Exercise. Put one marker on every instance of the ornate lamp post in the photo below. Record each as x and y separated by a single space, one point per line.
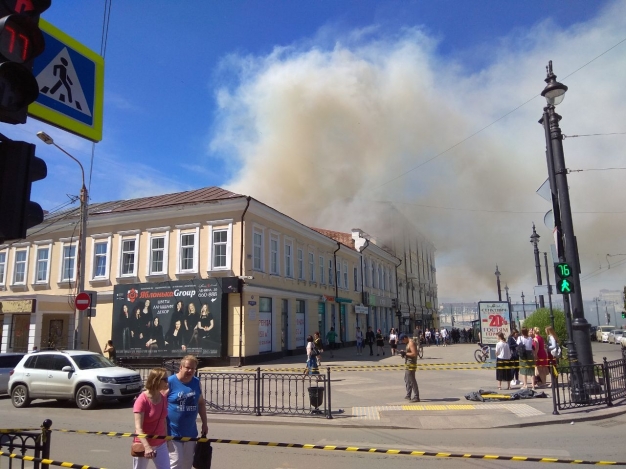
523 305
534 239
497 272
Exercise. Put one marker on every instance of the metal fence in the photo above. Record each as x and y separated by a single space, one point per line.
261 393
255 392
576 386
20 442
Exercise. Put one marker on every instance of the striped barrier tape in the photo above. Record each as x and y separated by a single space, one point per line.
50 462
355 449
429 367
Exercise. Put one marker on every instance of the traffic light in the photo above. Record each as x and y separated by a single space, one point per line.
623 315
564 284
19 168
394 303
21 41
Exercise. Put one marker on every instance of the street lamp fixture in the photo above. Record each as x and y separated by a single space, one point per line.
567 249
82 240
497 273
534 239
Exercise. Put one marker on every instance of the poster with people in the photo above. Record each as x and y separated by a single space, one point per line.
168 319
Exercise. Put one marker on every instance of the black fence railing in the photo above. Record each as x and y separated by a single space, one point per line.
576 386
261 393
26 443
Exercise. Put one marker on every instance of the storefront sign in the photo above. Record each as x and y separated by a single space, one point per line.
327 298
265 332
17 306
169 319
379 301
342 300
358 309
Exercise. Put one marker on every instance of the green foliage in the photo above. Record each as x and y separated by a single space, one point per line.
541 319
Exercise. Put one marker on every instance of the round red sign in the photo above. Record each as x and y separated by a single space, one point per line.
83 300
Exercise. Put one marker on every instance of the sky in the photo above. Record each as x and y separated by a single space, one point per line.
322 108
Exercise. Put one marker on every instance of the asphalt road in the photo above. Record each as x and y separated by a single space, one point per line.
598 440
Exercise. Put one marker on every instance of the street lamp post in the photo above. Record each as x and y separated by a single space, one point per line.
554 93
523 305
497 272
534 239
82 240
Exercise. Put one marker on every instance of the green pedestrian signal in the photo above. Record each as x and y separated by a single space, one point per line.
623 315
565 286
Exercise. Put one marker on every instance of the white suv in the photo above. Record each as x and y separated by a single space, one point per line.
85 377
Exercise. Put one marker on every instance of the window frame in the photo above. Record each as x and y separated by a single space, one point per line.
331 272
20 249
322 267
40 246
220 225
98 239
300 263
184 230
258 230
274 254
68 243
288 257
162 232
4 253
344 271
311 266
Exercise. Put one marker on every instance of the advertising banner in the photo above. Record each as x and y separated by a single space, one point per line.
495 317
168 319
265 332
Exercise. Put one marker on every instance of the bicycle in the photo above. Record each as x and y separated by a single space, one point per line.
482 354
420 347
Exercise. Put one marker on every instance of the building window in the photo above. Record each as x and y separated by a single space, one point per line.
356 279
345 276
367 274
274 255
381 285
331 280
187 251
312 267
68 270
322 267
372 274
100 251
157 255
220 240
338 276
257 250
289 259
19 270
128 256
43 264
300 264
3 264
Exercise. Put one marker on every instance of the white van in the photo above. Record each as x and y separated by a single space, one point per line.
602 333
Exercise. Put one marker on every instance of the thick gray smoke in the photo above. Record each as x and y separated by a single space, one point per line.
320 133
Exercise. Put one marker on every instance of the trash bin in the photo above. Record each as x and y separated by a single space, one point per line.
316 396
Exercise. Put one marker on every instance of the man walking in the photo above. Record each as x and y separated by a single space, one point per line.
331 336
185 400
410 360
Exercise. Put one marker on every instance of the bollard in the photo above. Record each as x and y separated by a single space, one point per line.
329 401
257 392
46 434
555 388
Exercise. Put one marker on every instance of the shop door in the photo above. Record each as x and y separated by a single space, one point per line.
342 323
321 318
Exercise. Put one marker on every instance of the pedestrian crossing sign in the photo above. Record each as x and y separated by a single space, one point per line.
71 85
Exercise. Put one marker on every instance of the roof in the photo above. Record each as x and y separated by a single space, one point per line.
198 196
343 238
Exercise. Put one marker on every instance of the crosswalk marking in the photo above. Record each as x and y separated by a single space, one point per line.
373 412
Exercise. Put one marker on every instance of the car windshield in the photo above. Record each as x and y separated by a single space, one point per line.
87 362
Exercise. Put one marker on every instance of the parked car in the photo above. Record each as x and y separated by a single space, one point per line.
602 333
85 377
7 363
615 336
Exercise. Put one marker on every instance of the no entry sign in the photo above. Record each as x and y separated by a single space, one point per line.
83 300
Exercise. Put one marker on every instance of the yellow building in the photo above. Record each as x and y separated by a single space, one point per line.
278 280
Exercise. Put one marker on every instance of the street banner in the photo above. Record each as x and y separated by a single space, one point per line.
495 317
169 319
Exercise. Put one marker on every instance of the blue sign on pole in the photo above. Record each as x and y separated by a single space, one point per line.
71 81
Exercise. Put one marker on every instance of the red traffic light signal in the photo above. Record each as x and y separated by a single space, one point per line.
19 168
21 41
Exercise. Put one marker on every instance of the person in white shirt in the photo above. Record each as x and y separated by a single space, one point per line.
444 336
503 362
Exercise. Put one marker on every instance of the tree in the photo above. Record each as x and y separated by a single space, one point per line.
541 319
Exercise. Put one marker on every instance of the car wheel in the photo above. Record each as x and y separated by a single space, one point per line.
86 397
19 396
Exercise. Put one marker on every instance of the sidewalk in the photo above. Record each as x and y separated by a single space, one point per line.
375 398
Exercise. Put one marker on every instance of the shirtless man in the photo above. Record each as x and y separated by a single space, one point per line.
410 357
